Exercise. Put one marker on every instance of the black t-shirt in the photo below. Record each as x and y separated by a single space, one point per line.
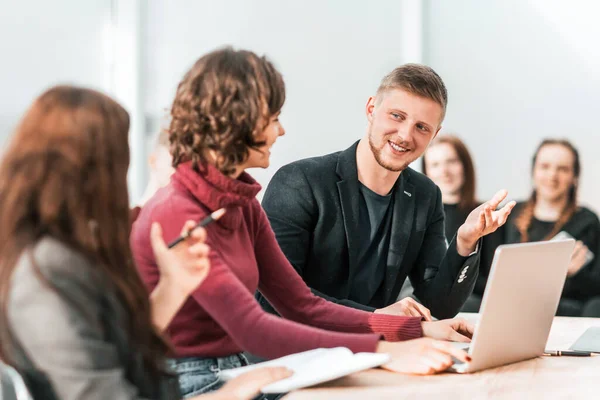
375 221
539 230
454 218
583 225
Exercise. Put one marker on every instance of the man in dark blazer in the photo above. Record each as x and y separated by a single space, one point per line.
356 223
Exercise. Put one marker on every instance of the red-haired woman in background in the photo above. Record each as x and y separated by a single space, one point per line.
553 208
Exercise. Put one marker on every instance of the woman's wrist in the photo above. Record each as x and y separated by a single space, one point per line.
166 300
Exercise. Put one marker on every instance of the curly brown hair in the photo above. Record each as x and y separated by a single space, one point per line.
222 104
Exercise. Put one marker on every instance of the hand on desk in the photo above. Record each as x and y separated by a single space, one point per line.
247 386
407 307
423 356
482 221
454 330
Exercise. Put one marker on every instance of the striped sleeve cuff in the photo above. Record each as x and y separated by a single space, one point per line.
394 328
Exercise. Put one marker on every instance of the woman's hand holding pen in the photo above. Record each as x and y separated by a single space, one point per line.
185 266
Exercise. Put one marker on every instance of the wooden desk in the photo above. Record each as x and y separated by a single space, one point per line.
540 378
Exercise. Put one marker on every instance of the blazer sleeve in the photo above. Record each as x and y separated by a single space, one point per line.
489 245
292 212
443 280
63 338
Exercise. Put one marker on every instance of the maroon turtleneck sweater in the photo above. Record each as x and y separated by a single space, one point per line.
222 317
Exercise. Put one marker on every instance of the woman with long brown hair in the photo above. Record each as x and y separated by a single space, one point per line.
448 163
75 318
552 208
225 119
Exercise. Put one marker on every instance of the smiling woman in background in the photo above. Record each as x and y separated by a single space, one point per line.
448 163
553 208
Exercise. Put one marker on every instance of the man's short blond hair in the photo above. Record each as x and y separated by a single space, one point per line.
417 79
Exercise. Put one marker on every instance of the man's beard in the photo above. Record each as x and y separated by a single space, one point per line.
377 154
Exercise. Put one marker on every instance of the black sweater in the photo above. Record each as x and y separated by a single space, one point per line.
583 225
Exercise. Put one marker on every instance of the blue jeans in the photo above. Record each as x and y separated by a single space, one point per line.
201 375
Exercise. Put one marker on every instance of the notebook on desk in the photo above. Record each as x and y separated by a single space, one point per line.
588 341
313 367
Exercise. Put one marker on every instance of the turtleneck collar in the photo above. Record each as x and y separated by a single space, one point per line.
215 190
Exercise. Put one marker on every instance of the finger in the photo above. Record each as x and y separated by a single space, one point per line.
577 249
481 221
423 368
447 348
414 311
198 234
489 219
579 259
156 239
434 364
465 327
199 250
424 311
409 311
455 336
498 198
201 264
505 212
187 226
442 359
272 374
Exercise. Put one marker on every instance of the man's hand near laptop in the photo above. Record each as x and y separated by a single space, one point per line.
407 307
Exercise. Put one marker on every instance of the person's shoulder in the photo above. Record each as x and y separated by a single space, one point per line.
171 207
166 200
57 263
308 168
585 214
421 181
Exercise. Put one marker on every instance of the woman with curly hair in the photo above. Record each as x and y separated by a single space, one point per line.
75 318
225 120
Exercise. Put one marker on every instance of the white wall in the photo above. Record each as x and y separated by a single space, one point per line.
518 71
332 55
48 42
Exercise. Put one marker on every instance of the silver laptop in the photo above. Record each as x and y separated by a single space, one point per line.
519 303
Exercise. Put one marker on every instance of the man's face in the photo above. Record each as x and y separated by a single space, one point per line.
401 126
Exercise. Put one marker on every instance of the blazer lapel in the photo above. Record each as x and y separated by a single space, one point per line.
348 190
402 222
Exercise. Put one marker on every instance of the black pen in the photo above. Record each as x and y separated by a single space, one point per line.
569 353
212 217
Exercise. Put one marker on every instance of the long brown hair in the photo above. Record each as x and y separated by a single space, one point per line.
523 221
467 202
222 104
64 176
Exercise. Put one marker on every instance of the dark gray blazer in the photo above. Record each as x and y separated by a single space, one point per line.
312 205
71 336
